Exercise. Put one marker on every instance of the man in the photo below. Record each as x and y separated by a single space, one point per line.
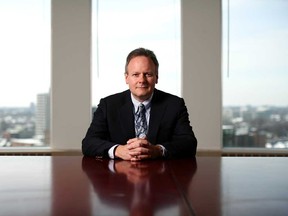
160 129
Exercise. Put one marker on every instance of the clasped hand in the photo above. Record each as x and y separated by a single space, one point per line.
137 149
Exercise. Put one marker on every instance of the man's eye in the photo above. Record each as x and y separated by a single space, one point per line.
149 74
135 75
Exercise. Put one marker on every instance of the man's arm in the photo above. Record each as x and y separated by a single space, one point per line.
96 141
183 142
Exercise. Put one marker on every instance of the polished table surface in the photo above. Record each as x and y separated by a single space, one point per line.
75 185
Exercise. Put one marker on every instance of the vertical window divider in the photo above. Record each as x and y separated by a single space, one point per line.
228 38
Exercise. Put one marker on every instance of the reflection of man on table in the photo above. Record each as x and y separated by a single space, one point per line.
142 122
137 187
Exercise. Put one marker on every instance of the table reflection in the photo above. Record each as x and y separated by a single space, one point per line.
139 188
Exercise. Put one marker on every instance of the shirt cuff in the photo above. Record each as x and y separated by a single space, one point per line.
163 149
111 152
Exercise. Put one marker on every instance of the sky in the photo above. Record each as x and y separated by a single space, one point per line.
24 51
258 53
25 40
258 48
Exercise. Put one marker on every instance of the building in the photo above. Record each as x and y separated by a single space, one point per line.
43 118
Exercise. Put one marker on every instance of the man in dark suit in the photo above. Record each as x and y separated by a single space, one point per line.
161 129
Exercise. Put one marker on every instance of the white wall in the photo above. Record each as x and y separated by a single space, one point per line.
201 69
71 44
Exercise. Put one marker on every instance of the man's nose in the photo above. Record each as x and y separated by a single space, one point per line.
142 77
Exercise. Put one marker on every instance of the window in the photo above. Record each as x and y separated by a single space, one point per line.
25 73
118 27
255 73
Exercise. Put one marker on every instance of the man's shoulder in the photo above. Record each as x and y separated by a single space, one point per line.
162 95
170 102
118 95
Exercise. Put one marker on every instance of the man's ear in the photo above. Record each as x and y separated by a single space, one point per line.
126 77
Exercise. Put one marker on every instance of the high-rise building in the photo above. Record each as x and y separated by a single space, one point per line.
43 118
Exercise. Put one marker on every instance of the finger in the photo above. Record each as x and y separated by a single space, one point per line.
134 153
138 144
140 153
136 158
133 146
132 140
140 157
136 139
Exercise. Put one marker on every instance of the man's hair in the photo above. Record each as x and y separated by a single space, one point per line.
142 52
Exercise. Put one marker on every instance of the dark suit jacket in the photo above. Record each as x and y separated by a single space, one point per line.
113 123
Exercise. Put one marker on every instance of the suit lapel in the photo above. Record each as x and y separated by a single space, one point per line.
127 118
156 114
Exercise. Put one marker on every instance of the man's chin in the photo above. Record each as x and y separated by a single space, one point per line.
142 97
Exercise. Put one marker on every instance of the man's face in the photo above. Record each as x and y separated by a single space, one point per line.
141 77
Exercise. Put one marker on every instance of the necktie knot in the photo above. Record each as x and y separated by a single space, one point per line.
141 108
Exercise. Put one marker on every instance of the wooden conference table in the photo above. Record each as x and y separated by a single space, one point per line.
75 185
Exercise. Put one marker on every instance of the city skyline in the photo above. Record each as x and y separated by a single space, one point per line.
264 127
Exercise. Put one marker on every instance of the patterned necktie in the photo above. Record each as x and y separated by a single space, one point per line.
140 121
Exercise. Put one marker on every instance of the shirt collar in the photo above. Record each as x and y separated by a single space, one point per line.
146 103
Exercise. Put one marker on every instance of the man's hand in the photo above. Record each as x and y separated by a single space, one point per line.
137 149
134 171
